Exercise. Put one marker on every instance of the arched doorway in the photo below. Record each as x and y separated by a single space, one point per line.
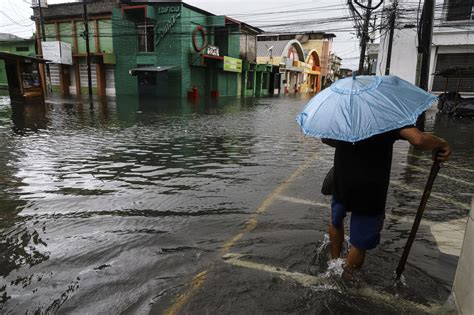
313 72
293 78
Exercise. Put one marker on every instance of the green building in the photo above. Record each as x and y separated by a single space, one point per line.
16 45
173 49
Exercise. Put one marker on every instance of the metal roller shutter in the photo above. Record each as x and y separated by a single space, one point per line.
446 61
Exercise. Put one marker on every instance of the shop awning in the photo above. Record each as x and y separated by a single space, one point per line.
9 56
150 69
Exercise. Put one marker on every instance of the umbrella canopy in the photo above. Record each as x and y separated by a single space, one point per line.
357 108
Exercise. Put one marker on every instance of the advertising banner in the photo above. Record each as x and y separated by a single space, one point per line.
57 52
66 53
232 64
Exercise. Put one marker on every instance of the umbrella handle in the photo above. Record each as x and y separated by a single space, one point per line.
416 224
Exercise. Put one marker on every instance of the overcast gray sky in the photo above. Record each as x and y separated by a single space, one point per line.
315 15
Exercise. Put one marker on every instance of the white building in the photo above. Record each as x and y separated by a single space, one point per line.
453 42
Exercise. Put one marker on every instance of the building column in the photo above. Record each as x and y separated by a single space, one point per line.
64 79
100 74
77 74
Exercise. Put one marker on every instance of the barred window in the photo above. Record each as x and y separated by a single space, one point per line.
146 38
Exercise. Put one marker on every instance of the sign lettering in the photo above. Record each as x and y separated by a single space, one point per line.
212 50
232 64
165 10
162 28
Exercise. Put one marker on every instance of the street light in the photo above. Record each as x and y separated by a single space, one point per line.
270 49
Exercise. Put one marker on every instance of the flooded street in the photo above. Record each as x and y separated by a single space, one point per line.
131 206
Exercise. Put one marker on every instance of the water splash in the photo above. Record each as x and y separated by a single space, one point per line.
323 253
335 268
400 283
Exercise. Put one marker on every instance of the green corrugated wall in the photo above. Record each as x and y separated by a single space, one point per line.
125 47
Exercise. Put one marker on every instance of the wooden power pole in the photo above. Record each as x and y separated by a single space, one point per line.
365 36
88 52
393 17
43 39
424 49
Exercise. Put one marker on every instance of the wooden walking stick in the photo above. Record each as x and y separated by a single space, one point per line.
416 224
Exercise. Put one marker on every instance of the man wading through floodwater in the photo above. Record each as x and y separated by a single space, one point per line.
362 117
361 179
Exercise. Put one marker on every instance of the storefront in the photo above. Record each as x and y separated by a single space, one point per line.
64 34
180 50
24 78
256 79
288 60
312 76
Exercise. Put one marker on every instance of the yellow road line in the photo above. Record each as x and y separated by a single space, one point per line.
181 301
249 226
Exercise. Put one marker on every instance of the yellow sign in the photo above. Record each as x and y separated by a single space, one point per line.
232 64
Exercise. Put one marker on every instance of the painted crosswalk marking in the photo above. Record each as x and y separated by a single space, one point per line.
328 283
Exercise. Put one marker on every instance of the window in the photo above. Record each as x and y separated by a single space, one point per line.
459 10
146 38
30 76
22 49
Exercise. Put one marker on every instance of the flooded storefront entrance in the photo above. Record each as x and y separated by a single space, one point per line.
205 207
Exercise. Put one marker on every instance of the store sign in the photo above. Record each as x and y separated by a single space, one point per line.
57 52
212 50
232 64
165 10
282 68
163 27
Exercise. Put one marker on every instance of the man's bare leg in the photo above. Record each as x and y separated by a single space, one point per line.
336 236
356 258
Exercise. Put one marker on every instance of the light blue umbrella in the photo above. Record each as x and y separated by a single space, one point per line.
357 108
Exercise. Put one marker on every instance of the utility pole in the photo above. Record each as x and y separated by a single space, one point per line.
393 17
365 36
364 33
88 52
426 40
43 39
424 52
